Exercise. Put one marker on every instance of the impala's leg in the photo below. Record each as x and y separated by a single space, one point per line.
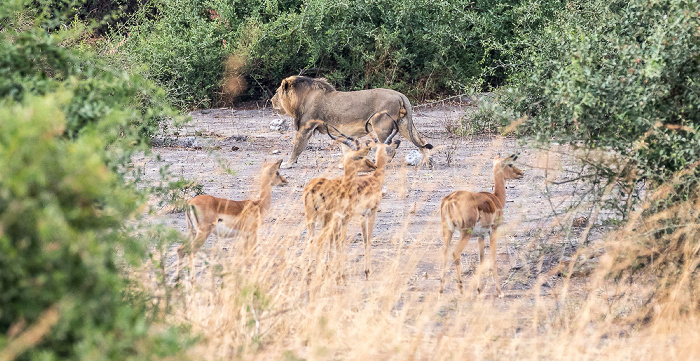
329 235
465 234
315 241
311 214
340 242
481 263
251 239
191 247
325 237
492 246
253 236
340 254
311 226
367 228
315 259
300 142
446 239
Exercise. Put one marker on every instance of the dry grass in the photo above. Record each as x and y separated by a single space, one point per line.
269 307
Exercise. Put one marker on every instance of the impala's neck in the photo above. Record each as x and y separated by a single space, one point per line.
500 186
382 160
265 197
349 172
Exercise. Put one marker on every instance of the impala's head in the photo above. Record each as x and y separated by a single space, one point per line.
387 150
356 161
271 173
356 158
505 166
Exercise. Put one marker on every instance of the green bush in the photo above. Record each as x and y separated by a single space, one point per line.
625 83
423 48
61 223
68 126
619 80
34 61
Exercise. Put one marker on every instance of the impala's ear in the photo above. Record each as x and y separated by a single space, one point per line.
278 162
514 157
498 160
362 152
370 164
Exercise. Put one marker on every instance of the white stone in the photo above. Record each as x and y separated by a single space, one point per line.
279 125
191 142
414 157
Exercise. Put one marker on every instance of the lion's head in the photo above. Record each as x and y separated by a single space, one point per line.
293 90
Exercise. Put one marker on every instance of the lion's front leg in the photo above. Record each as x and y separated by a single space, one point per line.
300 142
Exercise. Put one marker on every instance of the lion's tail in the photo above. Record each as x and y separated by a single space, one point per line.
411 127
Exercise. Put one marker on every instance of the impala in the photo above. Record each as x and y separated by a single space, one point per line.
228 218
476 214
369 193
328 202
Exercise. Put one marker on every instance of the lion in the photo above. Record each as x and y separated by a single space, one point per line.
352 113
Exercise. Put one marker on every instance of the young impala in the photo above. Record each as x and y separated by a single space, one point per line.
476 214
228 218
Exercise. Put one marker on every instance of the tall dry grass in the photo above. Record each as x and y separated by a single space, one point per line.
269 306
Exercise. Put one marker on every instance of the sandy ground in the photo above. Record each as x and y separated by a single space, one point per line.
223 150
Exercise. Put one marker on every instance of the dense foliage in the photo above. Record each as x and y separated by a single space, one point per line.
623 81
424 48
620 80
62 213
68 125
34 61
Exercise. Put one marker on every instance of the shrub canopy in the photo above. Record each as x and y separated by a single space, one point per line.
68 126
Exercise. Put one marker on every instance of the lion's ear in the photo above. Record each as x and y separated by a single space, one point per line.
286 84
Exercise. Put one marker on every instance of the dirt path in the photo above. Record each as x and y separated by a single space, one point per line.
231 144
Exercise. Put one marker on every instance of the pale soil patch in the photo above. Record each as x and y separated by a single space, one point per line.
231 145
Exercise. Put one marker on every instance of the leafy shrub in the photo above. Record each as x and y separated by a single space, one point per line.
68 125
627 85
34 61
622 85
61 217
424 48
480 122
102 14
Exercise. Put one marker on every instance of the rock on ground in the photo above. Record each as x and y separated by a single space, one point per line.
413 158
279 125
